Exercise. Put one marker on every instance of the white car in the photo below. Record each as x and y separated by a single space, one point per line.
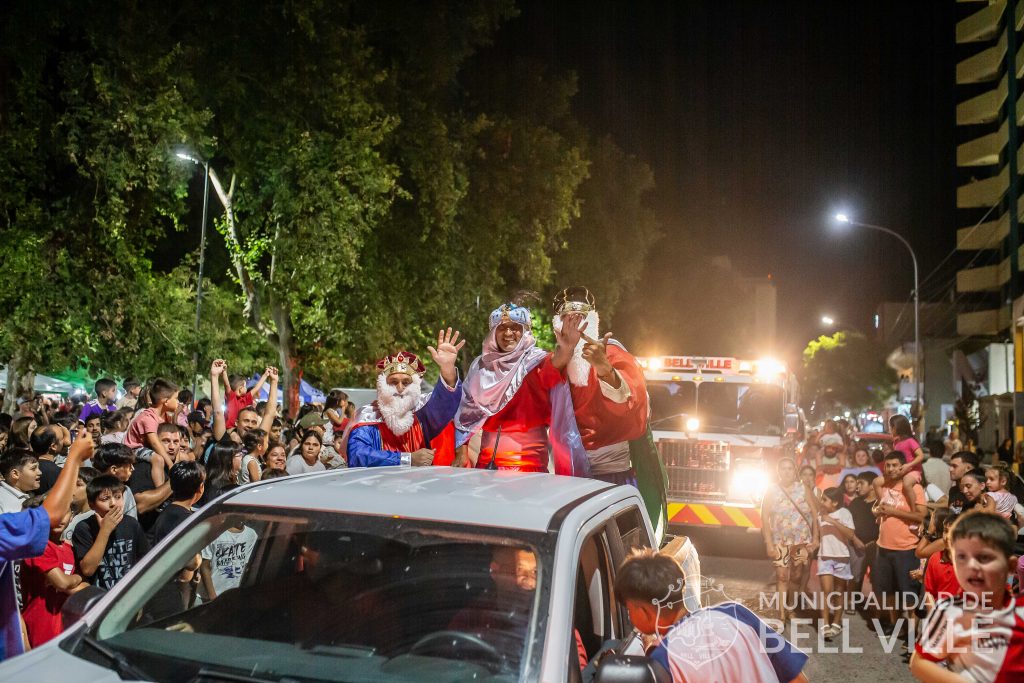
382 574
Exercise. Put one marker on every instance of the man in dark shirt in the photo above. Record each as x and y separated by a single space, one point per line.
188 482
865 527
47 443
187 479
959 464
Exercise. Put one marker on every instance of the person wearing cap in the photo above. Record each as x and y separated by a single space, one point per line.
608 390
515 396
404 426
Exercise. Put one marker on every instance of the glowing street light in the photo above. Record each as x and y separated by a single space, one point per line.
918 384
828 320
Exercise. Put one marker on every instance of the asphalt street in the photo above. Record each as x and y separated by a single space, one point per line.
734 568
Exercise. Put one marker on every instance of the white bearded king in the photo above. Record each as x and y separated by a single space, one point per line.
397 408
403 421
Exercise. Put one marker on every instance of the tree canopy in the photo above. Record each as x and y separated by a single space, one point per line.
374 176
845 370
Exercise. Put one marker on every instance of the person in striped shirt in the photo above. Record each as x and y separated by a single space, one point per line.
979 634
726 642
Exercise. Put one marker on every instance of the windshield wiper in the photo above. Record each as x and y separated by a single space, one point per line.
207 674
121 664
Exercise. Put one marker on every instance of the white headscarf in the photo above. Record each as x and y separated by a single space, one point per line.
494 378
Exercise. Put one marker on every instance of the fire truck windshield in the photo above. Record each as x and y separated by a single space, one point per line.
727 407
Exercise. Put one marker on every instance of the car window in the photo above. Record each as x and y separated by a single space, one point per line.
632 531
330 597
592 607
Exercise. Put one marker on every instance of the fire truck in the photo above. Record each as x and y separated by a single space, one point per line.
720 426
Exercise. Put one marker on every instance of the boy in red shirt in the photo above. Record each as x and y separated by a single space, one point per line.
978 635
46 582
238 397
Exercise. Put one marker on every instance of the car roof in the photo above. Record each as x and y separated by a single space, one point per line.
513 500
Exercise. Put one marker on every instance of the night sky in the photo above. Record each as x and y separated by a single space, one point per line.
760 120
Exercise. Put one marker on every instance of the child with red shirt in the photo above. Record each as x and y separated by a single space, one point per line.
939 578
46 582
238 397
978 635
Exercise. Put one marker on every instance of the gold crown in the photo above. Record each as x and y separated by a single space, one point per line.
404 363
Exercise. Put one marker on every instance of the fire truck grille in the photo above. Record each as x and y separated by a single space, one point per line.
696 468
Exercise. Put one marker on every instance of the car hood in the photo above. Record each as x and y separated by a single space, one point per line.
50 663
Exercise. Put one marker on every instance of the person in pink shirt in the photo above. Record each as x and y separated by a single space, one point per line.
163 399
908 447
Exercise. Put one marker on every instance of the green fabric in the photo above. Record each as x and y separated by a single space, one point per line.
652 480
78 377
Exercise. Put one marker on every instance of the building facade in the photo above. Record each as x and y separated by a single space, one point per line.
990 159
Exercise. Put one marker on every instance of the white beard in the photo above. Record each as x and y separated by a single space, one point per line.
578 368
398 412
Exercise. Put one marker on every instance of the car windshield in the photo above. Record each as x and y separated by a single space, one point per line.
325 596
728 407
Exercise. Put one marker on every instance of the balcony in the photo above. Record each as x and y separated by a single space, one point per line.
983 66
983 278
983 193
981 25
982 323
985 107
983 151
984 236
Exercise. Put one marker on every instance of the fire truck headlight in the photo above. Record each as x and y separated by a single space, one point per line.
692 424
748 483
769 367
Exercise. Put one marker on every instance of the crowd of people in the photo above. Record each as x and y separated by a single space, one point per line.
152 453
883 528
89 487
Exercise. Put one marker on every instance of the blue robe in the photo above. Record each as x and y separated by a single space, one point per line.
436 410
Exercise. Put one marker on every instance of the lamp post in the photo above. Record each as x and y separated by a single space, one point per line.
828 321
918 383
202 258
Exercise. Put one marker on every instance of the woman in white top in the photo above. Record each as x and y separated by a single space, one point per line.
307 459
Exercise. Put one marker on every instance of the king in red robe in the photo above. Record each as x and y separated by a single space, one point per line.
609 394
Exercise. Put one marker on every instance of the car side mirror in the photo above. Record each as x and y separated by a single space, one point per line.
617 668
78 604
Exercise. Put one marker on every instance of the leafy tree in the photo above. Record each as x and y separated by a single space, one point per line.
87 124
845 370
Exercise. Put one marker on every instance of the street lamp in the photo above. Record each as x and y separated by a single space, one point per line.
828 321
202 257
918 383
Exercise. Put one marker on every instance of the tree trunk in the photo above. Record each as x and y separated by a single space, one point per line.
255 293
20 382
286 354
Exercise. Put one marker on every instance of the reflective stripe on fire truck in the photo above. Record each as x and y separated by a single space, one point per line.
714 515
